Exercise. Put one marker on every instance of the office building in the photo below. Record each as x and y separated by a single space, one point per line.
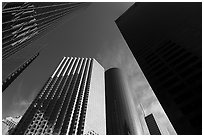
9 123
81 98
23 23
71 102
166 41
11 77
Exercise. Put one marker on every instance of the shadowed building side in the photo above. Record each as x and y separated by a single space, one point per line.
166 40
118 115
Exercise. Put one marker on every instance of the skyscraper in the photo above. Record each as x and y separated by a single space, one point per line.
25 22
166 41
80 97
71 102
118 112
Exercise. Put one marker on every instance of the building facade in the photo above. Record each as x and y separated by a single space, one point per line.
81 98
71 102
166 41
23 23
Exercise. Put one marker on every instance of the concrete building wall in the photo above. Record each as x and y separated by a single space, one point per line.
95 122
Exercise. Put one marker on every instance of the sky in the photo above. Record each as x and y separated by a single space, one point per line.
89 32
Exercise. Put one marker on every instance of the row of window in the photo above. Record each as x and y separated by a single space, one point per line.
179 72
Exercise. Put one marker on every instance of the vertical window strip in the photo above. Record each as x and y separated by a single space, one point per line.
63 109
71 125
26 119
42 103
85 101
81 102
76 64
50 108
58 67
53 99
49 100
55 78
74 121
74 88
69 101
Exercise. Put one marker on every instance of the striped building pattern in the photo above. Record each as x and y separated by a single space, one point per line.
23 22
71 102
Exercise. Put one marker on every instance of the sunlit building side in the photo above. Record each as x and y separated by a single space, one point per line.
71 102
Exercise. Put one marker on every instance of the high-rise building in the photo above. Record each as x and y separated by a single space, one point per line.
81 98
11 77
25 22
119 119
166 41
71 102
9 123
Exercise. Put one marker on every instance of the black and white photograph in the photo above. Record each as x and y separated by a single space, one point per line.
101 68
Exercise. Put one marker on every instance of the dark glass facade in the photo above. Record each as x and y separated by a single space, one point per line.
166 41
119 120
60 107
17 72
23 22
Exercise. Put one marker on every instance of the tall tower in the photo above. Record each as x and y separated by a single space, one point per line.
166 41
119 119
71 102
25 22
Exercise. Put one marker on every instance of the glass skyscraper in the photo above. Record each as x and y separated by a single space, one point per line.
25 22
22 22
